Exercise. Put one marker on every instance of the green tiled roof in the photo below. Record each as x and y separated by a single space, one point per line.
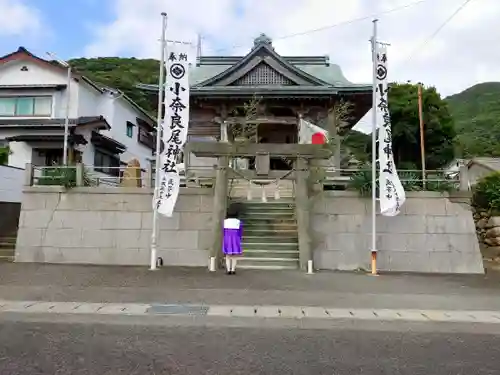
330 73
317 67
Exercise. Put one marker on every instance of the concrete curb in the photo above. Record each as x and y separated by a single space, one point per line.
262 312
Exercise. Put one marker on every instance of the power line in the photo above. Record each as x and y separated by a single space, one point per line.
354 20
437 31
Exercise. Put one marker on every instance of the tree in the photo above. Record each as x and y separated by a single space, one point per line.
476 112
123 74
4 155
439 132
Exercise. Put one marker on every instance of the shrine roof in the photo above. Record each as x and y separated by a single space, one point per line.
263 69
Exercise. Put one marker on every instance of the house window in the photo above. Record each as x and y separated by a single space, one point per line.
146 138
106 163
130 129
53 157
26 106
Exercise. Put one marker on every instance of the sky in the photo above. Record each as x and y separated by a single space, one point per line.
463 53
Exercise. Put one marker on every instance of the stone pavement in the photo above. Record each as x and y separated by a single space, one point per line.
239 311
196 286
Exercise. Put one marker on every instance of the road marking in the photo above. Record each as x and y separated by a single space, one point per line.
261 312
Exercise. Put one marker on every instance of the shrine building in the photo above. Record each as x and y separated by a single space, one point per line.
284 88
243 141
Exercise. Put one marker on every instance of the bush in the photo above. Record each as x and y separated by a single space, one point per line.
487 193
62 176
443 186
58 176
410 180
4 155
361 181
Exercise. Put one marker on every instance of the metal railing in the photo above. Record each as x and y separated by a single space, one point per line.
204 176
412 180
105 176
79 175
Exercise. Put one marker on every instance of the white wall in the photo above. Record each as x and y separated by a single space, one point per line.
90 101
84 101
11 186
476 172
119 112
11 74
88 149
20 154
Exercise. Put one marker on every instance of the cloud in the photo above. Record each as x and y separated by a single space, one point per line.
462 54
17 19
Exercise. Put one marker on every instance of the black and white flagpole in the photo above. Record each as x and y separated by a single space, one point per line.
374 151
159 127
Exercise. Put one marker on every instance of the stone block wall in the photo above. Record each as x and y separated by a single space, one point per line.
433 233
111 226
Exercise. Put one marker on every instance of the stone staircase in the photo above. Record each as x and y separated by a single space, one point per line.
270 239
8 247
242 189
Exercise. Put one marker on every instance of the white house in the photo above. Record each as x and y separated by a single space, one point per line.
107 129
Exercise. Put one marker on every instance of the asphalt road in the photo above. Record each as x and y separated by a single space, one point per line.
59 347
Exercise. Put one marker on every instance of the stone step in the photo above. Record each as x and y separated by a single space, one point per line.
290 220
6 258
270 225
8 239
276 246
262 215
251 209
268 263
257 194
7 246
281 254
270 239
270 201
267 267
284 233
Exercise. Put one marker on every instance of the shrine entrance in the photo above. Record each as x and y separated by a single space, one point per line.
276 134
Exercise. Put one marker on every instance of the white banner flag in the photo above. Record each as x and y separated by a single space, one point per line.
175 126
308 130
391 193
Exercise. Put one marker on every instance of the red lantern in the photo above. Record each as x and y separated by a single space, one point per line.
318 139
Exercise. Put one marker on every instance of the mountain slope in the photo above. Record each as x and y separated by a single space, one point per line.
476 111
477 119
123 74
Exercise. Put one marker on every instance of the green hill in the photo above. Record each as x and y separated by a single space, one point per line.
477 119
123 74
476 111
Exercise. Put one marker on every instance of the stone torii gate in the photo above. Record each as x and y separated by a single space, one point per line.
304 156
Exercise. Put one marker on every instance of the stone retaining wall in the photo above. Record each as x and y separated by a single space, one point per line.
111 226
433 233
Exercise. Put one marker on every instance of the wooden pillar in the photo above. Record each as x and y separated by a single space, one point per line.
219 207
337 142
302 211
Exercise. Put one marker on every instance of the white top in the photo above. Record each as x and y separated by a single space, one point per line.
232 224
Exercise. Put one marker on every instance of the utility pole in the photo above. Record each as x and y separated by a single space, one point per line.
66 117
422 138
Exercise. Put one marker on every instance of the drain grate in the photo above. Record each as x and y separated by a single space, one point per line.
178 310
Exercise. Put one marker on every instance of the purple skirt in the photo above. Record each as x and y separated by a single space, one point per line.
231 244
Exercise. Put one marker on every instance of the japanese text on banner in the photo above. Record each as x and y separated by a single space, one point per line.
175 126
391 192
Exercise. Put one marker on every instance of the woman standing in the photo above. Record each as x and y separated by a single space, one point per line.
233 232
